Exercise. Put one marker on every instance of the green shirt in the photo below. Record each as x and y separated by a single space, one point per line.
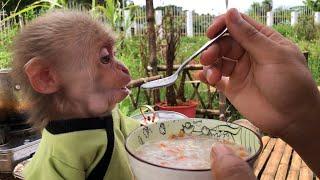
74 155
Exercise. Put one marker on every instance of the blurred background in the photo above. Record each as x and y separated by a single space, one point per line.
295 19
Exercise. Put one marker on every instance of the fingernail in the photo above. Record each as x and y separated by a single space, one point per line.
235 15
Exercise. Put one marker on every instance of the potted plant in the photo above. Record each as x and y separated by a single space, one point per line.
172 34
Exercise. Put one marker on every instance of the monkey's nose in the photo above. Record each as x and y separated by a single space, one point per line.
123 68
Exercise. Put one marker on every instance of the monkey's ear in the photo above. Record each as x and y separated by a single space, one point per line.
41 76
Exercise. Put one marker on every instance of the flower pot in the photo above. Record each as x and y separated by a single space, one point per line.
187 108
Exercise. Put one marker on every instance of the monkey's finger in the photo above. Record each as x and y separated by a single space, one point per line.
226 47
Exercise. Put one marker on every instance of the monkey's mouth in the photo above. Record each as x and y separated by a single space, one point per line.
125 89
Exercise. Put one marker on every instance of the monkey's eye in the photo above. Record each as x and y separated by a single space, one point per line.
105 57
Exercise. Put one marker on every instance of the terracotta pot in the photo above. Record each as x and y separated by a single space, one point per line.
187 108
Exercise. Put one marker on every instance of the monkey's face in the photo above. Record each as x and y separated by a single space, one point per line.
70 67
111 78
98 86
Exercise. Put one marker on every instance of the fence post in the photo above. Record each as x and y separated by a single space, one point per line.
21 23
294 18
189 23
126 21
134 28
158 19
270 18
317 18
1 17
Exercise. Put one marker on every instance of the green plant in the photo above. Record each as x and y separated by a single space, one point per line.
306 29
286 30
313 4
313 48
6 37
114 14
267 5
40 4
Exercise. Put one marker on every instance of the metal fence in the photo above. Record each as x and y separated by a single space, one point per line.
199 22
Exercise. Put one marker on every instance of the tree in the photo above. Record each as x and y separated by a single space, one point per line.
266 5
255 9
258 11
152 43
313 4
172 39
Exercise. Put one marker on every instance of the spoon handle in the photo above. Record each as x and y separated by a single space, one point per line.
204 47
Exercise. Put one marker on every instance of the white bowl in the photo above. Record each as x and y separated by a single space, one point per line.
144 170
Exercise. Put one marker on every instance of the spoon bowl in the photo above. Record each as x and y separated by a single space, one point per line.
167 81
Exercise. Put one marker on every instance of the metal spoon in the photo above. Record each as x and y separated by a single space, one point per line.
167 81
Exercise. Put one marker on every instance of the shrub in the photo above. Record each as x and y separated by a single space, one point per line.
286 30
6 37
306 29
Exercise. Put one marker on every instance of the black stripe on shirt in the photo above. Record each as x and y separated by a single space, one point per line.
101 168
78 124
81 124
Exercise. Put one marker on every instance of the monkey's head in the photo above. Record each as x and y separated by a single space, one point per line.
66 66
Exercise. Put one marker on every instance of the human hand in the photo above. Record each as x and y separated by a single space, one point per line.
267 80
269 83
227 166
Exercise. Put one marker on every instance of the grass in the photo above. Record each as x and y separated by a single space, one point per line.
313 47
6 38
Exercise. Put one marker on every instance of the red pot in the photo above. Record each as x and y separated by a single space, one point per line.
187 108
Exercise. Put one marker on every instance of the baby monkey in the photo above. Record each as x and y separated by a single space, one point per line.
66 66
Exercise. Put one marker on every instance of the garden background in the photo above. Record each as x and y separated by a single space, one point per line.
129 21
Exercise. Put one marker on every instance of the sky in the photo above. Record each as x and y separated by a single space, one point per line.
217 6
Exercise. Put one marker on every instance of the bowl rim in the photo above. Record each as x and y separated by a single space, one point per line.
192 170
158 112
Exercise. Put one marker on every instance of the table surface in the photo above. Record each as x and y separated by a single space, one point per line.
279 161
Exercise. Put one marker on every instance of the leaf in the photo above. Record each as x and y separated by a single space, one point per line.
28 8
17 6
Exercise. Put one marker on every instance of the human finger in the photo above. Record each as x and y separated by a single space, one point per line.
247 35
227 166
226 47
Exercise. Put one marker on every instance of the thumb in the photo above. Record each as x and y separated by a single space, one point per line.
246 34
227 166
